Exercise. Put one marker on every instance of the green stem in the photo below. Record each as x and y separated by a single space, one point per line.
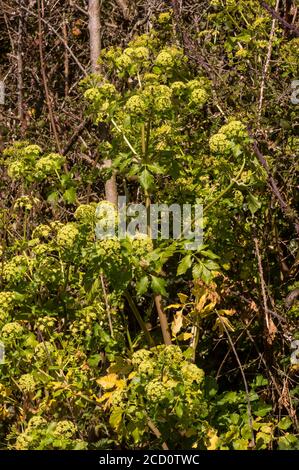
139 319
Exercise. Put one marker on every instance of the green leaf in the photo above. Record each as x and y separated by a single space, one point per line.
155 169
179 410
116 417
70 195
253 203
288 442
184 265
142 285
158 285
93 361
209 254
285 423
211 265
53 197
146 179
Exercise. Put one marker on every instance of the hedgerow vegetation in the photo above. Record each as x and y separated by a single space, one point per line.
137 343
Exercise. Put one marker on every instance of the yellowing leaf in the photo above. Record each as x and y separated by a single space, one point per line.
213 439
222 322
208 308
108 382
183 298
173 306
177 323
201 302
184 336
227 312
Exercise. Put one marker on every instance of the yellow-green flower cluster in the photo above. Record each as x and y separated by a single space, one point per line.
169 355
21 159
44 350
85 213
165 17
108 248
158 97
45 323
49 164
192 373
198 92
65 429
41 248
67 235
106 216
137 53
150 77
27 383
142 244
289 54
7 299
156 391
178 88
136 105
26 202
141 355
36 422
219 143
86 318
32 150
146 367
14 269
169 57
42 231
16 170
101 97
12 330
199 97
234 130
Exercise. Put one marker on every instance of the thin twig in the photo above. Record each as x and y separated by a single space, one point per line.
281 20
267 63
249 411
44 76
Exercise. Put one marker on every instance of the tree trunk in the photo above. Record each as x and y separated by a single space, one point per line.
94 26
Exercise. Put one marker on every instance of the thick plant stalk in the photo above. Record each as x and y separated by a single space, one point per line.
163 319
94 26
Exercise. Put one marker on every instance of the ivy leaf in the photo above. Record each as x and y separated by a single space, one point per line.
158 285
184 265
146 179
142 285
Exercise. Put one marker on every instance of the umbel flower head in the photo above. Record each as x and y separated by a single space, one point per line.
85 213
65 429
219 143
27 383
12 330
67 235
